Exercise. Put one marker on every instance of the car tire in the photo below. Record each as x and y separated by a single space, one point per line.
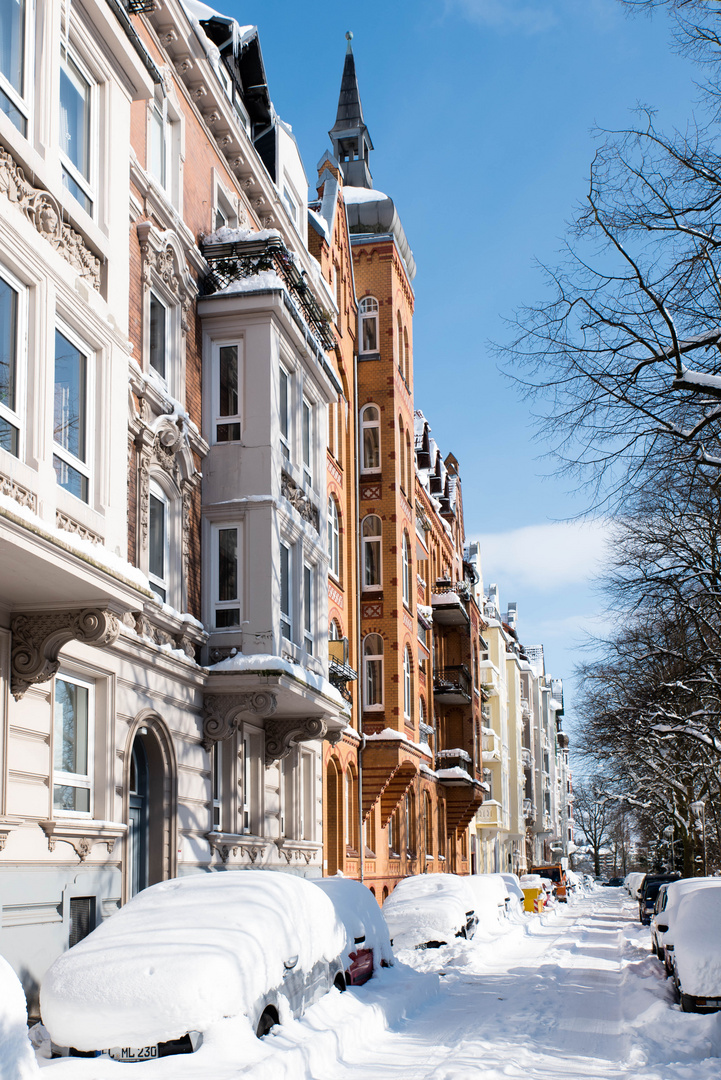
268 1019
340 982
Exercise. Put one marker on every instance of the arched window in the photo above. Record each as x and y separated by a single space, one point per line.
373 671
371 541
406 358
350 811
401 458
410 808
428 824
407 683
333 538
409 465
370 438
368 313
406 570
400 342
334 633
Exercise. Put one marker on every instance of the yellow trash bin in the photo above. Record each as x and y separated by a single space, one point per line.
534 895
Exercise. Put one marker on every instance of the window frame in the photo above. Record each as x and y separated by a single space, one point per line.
217 786
406 570
368 313
81 781
153 295
16 417
22 100
369 425
285 378
235 603
308 605
161 105
407 684
286 572
88 185
157 492
373 658
376 539
83 468
307 425
218 419
333 532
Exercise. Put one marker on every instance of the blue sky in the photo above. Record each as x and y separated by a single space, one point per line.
481 113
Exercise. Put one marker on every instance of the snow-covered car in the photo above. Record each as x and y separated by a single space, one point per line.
515 893
696 958
490 896
663 920
429 910
648 892
632 882
368 944
184 954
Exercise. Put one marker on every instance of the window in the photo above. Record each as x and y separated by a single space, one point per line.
227 605
291 204
406 358
226 393
410 814
407 684
373 671
158 542
73 749
399 356
394 834
76 134
407 566
371 439
308 613
250 780
286 610
217 780
409 465
371 540
12 309
333 539
306 802
401 456
428 824
368 311
14 43
159 325
70 419
82 918
225 214
334 633
307 443
283 412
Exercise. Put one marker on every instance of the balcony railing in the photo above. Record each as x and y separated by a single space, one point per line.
490 815
453 684
454 759
232 261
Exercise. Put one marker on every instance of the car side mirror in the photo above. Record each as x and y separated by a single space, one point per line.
290 963
662 928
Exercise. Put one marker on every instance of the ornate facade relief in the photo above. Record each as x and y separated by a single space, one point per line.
162 258
254 849
37 639
224 712
299 500
45 214
83 835
282 735
21 494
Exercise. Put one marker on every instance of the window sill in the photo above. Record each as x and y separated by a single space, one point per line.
368 356
83 833
239 844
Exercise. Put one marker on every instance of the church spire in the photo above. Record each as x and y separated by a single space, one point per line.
351 141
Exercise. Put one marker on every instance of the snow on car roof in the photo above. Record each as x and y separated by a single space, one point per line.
426 905
357 908
697 947
184 954
489 896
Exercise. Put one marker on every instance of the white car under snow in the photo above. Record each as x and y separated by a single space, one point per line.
697 949
430 910
184 954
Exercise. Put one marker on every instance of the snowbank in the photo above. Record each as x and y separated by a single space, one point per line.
183 955
17 1059
357 908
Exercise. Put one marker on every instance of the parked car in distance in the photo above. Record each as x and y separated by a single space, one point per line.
368 944
663 920
555 873
648 892
632 881
515 893
696 959
184 954
429 910
615 882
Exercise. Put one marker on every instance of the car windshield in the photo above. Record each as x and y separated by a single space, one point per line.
651 891
549 872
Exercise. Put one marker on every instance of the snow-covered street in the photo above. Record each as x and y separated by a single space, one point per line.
574 993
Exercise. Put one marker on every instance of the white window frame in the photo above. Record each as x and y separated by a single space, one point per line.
217 786
234 603
333 538
164 583
367 424
286 617
368 310
307 447
407 683
226 207
406 565
83 781
306 800
309 613
160 106
287 436
155 295
84 468
16 417
373 658
218 419
88 185
250 780
375 538
173 381
22 99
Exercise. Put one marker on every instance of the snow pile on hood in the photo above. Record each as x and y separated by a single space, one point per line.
17 1059
357 908
697 946
185 953
489 894
531 881
427 907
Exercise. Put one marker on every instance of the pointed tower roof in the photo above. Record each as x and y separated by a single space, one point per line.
351 140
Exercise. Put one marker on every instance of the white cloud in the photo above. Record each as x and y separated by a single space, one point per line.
543 558
530 16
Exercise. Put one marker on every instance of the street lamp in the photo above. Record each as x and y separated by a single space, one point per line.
668 832
699 809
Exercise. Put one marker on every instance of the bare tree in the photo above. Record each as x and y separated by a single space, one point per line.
593 815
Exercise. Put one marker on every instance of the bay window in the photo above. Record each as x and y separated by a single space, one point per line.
73 745
14 62
286 604
71 422
227 601
12 321
226 393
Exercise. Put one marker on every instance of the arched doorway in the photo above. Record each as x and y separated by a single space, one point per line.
151 852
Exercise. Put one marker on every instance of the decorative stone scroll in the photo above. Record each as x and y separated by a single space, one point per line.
252 848
161 257
298 850
299 500
224 712
45 214
37 639
282 735
21 494
83 835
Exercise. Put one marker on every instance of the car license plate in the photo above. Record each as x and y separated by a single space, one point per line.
133 1053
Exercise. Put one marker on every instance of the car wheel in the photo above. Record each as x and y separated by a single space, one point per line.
269 1018
654 950
339 982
